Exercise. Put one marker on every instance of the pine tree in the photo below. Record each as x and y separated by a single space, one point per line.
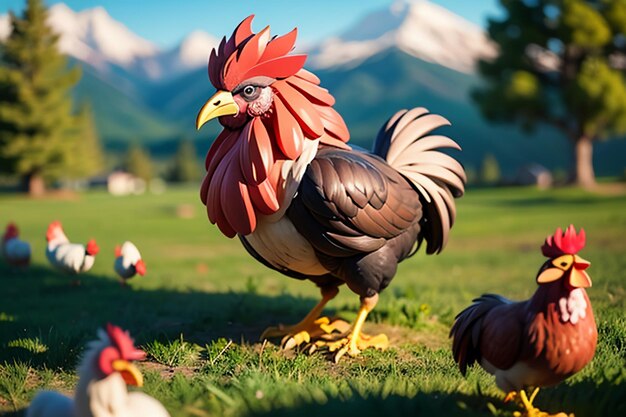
36 121
86 157
560 62
185 166
138 163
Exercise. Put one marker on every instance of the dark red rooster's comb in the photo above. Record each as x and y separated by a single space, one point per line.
124 343
246 55
562 243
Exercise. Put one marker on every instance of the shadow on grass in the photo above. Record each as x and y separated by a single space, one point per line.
585 398
46 322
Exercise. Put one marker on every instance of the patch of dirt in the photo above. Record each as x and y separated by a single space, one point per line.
57 195
168 372
432 338
611 189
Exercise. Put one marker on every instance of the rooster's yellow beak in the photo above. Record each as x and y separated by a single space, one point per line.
221 104
578 278
129 372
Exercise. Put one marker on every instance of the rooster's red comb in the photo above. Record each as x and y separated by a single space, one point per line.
124 343
562 243
246 55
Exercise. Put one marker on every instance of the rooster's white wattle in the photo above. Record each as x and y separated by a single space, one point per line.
15 251
104 372
72 258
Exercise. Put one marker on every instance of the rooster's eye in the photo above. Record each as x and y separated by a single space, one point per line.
250 92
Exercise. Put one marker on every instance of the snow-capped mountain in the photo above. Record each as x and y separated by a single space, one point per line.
94 37
417 27
192 53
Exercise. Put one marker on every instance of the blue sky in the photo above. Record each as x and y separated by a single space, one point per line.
166 22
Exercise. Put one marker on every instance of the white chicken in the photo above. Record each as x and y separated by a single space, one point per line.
15 251
72 258
104 372
128 261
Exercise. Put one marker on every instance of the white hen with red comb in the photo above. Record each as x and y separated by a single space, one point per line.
128 261
105 371
15 251
72 258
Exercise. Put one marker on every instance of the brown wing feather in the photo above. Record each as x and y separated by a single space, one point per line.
491 329
350 202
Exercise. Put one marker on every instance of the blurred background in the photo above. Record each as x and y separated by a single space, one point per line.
522 82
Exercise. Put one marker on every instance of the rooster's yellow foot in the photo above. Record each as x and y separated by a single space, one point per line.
350 344
530 410
302 333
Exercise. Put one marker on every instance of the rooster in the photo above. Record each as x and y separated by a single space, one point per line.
281 177
537 342
16 252
128 261
104 372
72 258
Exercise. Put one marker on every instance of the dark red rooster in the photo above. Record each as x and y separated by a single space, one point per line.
282 178
537 342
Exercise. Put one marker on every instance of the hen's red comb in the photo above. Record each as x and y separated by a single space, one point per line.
124 343
562 243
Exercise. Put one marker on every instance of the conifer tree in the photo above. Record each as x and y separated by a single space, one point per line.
86 158
138 163
36 121
185 166
560 62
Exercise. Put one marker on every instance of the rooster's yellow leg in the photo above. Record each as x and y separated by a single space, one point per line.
355 341
311 326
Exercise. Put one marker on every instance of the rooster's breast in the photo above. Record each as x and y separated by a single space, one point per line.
284 248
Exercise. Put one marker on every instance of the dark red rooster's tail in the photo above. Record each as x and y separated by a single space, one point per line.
438 178
466 330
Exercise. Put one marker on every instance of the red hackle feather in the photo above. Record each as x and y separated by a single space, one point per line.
302 109
287 131
562 243
314 93
264 197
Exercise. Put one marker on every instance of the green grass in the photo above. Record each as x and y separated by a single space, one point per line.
203 303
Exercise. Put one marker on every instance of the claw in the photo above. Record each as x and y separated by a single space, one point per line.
527 404
302 333
289 342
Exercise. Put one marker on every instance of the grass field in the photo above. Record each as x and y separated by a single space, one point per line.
203 303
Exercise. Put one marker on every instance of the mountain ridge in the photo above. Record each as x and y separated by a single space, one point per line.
151 95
